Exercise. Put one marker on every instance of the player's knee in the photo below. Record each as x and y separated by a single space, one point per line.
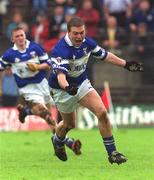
44 113
40 110
101 114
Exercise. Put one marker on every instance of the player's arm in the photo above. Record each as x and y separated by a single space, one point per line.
63 83
129 65
43 60
37 67
100 53
61 77
113 59
3 64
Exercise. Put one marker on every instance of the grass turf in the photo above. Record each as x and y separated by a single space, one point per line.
29 156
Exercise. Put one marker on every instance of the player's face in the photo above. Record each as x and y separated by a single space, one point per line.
19 38
77 35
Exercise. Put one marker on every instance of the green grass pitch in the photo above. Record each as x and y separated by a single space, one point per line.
29 156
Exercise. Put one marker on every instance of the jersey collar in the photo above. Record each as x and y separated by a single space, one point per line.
67 39
16 48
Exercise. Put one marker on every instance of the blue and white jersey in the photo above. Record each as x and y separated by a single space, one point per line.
18 60
73 60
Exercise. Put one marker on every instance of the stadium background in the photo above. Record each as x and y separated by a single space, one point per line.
132 93
126 88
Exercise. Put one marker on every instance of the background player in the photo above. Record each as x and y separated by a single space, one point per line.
31 80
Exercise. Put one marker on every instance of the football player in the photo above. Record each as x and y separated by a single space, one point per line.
28 64
71 87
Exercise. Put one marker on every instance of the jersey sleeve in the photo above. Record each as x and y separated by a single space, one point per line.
59 59
96 51
42 55
1 64
59 64
4 61
99 53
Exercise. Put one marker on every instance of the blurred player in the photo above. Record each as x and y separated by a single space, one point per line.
70 86
28 64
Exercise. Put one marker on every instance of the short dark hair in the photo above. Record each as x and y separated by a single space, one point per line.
75 22
16 29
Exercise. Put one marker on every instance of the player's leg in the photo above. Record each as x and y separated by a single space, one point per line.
30 108
73 144
42 111
23 109
38 109
58 141
93 102
66 104
59 137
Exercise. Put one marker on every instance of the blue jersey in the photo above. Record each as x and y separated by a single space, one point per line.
18 60
73 60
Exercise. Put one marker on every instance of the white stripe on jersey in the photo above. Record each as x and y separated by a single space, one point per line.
4 62
56 67
60 62
44 57
1 67
96 49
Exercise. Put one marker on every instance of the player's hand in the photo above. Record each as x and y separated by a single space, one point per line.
71 90
33 67
134 66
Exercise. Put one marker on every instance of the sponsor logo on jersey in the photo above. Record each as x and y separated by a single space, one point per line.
17 60
24 55
59 59
74 57
33 53
85 51
78 68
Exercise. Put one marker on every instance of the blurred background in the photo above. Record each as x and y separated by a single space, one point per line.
124 27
